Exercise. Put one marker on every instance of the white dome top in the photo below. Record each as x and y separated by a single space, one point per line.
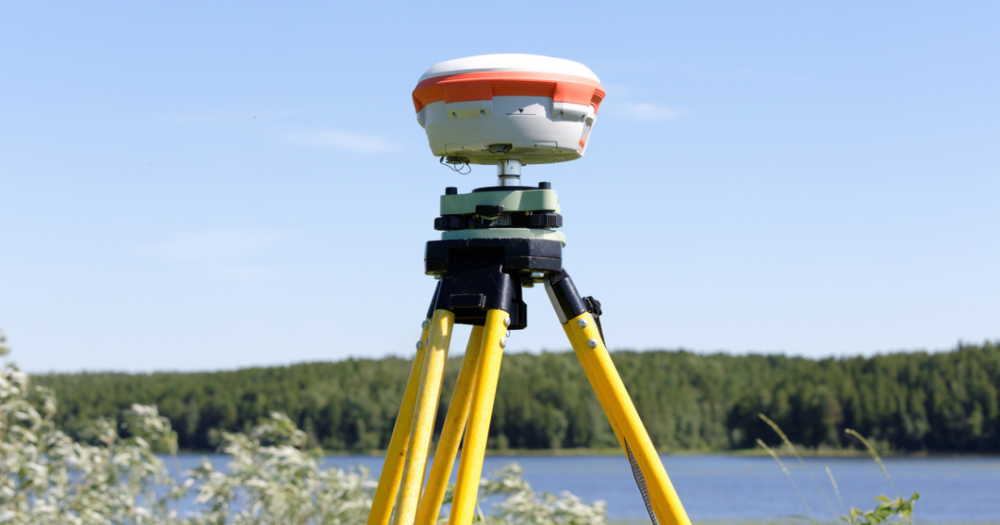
510 62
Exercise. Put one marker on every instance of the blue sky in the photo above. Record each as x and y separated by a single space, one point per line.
189 186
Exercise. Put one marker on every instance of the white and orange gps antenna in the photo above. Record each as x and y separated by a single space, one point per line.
508 110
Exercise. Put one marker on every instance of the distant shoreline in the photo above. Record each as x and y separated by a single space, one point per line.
617 452
941 403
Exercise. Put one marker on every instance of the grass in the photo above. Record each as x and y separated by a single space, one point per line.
896 510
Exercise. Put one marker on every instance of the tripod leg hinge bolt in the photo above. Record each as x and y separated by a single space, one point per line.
503 342
592 343
582 323
506 321
424 325
420 344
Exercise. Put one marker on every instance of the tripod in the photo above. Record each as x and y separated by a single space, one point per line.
497 240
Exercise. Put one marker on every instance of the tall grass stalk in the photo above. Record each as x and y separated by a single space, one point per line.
788 443
836 490
789 474
876 457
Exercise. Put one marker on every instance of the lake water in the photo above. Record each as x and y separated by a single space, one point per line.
727 488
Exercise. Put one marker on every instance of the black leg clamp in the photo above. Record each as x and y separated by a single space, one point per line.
567 301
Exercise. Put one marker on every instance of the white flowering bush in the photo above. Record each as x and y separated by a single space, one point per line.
523 506
48 478
272 479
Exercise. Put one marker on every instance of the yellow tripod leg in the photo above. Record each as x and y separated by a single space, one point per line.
470 468
424 413
607 383
392 470
587 362
451 433
602 396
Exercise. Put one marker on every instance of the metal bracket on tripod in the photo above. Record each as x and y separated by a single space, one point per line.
478 275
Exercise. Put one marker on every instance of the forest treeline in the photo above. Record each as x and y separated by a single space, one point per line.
937 402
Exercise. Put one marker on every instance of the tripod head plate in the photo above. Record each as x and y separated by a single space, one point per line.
511 200
506 233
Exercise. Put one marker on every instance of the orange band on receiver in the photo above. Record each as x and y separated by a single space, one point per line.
468 87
